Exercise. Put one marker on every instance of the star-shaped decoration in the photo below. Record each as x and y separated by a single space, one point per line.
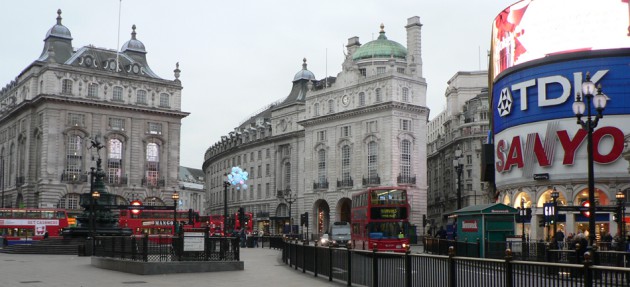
505 102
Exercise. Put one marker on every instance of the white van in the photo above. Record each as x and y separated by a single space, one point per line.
340 233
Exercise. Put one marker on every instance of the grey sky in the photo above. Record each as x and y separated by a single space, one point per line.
236 57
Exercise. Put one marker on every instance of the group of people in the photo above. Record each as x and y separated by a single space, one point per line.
245 237
607 241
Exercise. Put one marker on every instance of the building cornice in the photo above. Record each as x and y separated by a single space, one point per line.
365 110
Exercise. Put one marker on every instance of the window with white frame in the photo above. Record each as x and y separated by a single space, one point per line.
371 126
400 70
405 125
141 97
92 90
321 166
117 124
117 94
361 99
345 164
152 166
267 170
316 109
363 72
378 95
405 95
66 87
114 161
76 120
164 100
346 131
267 190
287 175
321 136
380 70
74 157
331 106
405 158
155 128
259 171
372 159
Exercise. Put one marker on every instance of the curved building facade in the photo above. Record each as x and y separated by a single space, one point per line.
538 146
331 138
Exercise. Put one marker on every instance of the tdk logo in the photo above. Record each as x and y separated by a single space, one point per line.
505 104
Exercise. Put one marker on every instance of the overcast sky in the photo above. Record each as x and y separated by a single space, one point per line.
236 57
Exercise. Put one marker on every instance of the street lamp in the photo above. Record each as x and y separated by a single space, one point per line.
621 204
554 196
523 216
287 195
95 196
226 184
175 198
459 168
579 107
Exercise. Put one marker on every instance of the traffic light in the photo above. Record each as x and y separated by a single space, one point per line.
541 222
304 219
241 216
424 220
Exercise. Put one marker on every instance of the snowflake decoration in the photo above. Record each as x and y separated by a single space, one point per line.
238 177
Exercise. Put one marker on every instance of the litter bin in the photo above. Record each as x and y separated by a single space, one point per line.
250 242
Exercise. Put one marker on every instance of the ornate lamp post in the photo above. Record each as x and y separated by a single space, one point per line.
554 196
226 184
579 107
175 198
459 168
621 204
523 215
288 197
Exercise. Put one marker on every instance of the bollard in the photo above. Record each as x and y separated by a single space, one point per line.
588 277
508 268
452 272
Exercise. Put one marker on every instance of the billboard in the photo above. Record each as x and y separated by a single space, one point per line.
535 129
529 30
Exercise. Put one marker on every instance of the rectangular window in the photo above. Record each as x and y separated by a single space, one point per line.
164 100
259 171
405 125
251 156
362 72
380 70
93 91
267 190
77 120
117 94
469 159
260 155
259 192
141 97
371 127
400 70
267 153
66 87
321 135
155 128
117 124
345 131
267 170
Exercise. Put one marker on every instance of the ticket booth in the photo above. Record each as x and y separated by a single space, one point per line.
487 222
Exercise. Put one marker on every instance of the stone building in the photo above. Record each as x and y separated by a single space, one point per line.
330 138
462 126
69 97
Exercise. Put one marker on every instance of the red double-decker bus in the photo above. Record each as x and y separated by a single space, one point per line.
249 224
380 219
23 225
155 222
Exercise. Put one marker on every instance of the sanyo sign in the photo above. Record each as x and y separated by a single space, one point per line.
544 86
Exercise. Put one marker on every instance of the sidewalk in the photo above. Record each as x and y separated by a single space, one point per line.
263 267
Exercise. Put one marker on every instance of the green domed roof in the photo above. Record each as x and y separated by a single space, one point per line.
380 48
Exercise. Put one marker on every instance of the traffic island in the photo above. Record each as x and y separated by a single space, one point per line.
153 268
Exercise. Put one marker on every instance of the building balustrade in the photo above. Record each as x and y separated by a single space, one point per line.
116 180
406 179
320 185
153 182
345 183
74 177
372 180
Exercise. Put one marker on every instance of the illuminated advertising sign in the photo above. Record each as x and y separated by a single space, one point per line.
535 130
31 222
470 226
529 30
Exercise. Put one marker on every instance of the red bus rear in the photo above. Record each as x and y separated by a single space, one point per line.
380 218
214 224
24 225
249 224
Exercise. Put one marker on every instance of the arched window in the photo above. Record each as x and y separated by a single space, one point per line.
372 160
321 167
93 90
164 100
345 165
405 95
66 87
117 94
152 168
114 161
378 95
405 159
361 99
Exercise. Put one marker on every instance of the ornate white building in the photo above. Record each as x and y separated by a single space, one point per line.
68 97
331 138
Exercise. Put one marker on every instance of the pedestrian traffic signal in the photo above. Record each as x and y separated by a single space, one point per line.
304 219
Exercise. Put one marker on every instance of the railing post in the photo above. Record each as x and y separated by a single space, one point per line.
407 266
374 266
508 268
478 247
123 241
349 252
145 248
588 274
452 271
304 256
330 265
296 252
315 259
134 246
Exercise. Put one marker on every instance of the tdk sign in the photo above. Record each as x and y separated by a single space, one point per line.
542 87
546 90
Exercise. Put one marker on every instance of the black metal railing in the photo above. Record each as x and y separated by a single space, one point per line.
406 179
320 185
116 180
74 177
373 268
165 248
372 180
345 182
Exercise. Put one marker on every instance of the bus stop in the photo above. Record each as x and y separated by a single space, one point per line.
486 223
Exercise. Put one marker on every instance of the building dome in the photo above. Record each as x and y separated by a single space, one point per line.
133 44
380 48
304 74
59 30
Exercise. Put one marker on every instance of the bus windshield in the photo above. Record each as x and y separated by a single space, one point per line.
390 196
381 230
